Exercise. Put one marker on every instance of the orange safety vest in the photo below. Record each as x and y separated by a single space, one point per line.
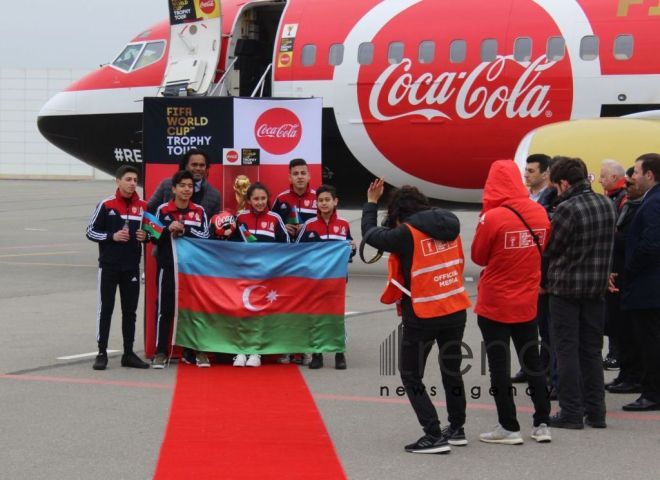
436 277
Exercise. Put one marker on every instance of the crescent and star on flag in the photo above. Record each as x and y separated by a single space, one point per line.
271 296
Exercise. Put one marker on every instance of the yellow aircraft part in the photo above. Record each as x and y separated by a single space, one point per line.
594 140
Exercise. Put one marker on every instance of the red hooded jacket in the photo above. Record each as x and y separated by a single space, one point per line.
509 284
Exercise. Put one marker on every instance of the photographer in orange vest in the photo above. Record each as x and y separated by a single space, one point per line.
425 281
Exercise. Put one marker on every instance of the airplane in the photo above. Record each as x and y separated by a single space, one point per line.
422 92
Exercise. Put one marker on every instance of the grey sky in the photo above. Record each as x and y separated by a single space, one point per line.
78 34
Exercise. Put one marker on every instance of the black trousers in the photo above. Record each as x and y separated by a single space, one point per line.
647 330
129 293
613 323
164 308
547 355
497 336
416 343
629 355
577 338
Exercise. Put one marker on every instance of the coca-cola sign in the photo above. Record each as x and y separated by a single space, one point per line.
278 131
207 6
444 122
468 94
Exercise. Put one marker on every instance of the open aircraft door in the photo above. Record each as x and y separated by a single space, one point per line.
195 34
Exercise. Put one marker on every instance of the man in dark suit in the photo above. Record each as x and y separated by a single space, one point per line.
642 279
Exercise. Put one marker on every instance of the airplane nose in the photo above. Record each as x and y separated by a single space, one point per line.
57 122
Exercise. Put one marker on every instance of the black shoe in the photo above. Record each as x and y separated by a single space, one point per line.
429 444
611 363
625 387
188 357
340 361
616 381
642 405
519 377
317 361
595 422
101 361
455 436
131 360
560 421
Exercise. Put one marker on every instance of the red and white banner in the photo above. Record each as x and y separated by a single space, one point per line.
280 129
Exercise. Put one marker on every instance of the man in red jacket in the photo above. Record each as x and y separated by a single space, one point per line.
510 237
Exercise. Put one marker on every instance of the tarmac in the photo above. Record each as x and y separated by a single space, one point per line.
62 420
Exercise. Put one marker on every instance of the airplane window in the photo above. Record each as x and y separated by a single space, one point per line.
127 57
556 49
336 55
151 54
488 50
522 49
457 51
623 47
366 53
308 55
395 52
589 47
426 51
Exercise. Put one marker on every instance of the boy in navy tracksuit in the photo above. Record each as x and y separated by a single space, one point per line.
297 204
115 226
181 218
326 226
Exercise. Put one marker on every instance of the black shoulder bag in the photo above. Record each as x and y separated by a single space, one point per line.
534 235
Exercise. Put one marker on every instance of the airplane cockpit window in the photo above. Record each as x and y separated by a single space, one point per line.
457 51
308 57
556 49
623 47
522 49
126 58
151 54
426 51
488 50
589 47
395 52
336 54
366 53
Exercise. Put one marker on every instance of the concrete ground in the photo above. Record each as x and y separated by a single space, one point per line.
62 420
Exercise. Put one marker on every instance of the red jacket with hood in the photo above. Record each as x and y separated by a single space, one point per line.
509 284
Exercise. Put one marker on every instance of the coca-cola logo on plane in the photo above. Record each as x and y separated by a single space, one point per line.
207 6
278 131
435 109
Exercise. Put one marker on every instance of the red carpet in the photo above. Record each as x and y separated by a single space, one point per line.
245 423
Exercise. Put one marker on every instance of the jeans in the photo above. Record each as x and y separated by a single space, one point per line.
577 338
525 338
416 343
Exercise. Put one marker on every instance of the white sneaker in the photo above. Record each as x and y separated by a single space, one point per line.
501 435
284 359
253 361
239 360
307 359
541 434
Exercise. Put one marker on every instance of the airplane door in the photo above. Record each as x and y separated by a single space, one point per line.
195 34
251 49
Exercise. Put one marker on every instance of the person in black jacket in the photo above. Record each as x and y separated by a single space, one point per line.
410 208
197 163
630 372
639 295
115 226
